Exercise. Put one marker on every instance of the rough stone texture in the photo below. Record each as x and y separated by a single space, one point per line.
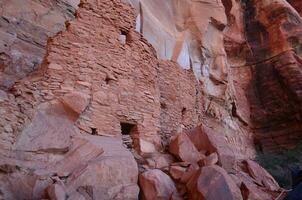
193 37
157 185
212 159
182 147
232 66
118 94
213 183
265 66
250 189
56 192
123 82
212 142
98 163
261 175
25 26
180 96
275 64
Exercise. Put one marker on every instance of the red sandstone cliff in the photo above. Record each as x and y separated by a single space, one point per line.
189 87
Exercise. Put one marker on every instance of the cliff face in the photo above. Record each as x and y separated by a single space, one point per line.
25 27
146 73
275 59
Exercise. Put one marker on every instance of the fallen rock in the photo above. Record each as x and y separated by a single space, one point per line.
81 152
250 191
205 138
111 175
17 186
182 147
96 166
160 161
213 183
212 159
261 176
146 146
177 172
76 101
191 171
56 192
156 185
44 133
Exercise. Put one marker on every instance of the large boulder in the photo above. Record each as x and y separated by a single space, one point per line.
251 191
205 139
212 159
94 166
213 183
156 185
49 131
261 176
111 175
182 147
56 192
75 101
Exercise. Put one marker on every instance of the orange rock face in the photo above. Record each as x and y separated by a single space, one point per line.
181 91
275 64
25 28
221 187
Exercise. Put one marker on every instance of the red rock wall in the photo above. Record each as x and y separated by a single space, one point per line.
274 35
297 5
264 55
25 26
243 83
126 82
119 78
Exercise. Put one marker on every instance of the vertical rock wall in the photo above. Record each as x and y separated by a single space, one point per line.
25 26
273 31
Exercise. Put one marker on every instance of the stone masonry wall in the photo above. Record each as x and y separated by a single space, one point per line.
89 58
101 57
180 99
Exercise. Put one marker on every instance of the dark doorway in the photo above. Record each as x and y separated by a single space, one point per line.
128 134
124 37
127 128
94 131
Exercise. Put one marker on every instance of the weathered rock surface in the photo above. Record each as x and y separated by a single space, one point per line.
25 26
211 183
274 60
157 185
232 66
208 140
261 175
182 147
100 166
212 159
56 192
